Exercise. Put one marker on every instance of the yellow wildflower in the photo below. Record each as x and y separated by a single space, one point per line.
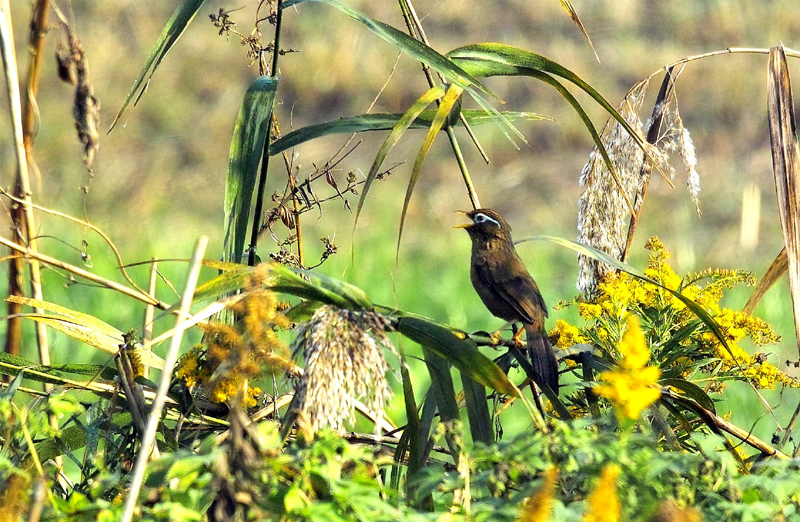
539 505
630 387
187 367
564 335
603 502
589 310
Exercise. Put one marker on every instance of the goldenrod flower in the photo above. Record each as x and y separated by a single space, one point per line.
603 502
539 505
630 387
564 335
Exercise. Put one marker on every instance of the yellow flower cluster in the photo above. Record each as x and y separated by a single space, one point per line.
603 502
564 335
620 295
630 387
231 356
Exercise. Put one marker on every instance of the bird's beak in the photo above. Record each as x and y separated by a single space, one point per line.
465 225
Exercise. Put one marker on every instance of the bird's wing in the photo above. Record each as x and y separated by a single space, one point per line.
517 290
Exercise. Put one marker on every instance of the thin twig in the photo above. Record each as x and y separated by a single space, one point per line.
37 257
85 224
415 29
169 364
715 421
149 314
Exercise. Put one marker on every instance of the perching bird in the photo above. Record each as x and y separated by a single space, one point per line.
508 290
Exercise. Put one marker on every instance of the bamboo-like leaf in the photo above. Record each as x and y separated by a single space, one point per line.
283 279
692 391
448 102
394 136
379 122
443 391
776 269
480 420
424 54
247 146
456 349
786 167
175 27
588 251
85 328
493 59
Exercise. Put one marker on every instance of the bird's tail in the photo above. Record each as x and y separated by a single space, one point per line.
543 359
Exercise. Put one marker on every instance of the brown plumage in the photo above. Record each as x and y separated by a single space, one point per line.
508 290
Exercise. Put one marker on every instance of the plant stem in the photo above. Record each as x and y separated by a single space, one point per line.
23 180
149 437
415 29
15 283
262 177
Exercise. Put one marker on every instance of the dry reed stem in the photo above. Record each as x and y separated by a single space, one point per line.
157 407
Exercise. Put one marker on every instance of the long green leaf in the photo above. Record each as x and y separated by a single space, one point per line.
379 122
424 54
282 279
493 59
480 421
458 350
85 328
447 104
247 146
503 60
391 140
175 27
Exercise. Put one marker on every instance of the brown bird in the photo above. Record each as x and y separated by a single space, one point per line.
508 290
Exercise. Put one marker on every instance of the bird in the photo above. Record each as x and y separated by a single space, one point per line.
507 289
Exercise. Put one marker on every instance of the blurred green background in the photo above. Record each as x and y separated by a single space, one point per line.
159 176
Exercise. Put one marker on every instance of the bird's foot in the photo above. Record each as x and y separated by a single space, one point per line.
518 337
496 338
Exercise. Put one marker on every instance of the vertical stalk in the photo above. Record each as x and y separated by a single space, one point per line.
262 176
149 314
415 29
16 266
23 180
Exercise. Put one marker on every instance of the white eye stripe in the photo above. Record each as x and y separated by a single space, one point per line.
482 218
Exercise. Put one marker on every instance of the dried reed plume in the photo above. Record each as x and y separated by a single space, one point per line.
602 211
343 363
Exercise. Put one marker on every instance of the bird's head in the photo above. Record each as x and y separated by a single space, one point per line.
485 224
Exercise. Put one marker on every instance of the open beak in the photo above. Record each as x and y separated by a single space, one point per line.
465 225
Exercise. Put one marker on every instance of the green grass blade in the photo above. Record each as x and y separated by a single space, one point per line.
380 122
480 421
442 114
394 136
175 27
247 147
493 59
458 350
282 279
424 54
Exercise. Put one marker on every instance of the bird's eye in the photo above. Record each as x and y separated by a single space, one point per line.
483 218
